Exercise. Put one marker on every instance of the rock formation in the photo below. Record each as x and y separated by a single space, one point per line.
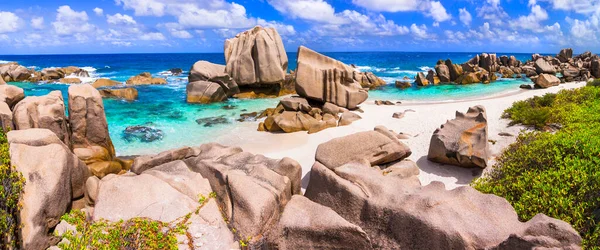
210 72
462 141
6 117
105 83
546 80
324 79
256 56
145 79
11 94
129 94
90 138
205 92
43 112
53 178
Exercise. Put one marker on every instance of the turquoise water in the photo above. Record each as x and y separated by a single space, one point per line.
163 107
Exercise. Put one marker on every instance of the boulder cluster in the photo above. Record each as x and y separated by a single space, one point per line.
543 70
479 69
13 72
257 67
366 196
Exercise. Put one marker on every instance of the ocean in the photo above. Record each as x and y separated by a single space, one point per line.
164 107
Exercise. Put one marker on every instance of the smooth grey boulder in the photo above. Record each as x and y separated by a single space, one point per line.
11 94
542 66
211 72
43 112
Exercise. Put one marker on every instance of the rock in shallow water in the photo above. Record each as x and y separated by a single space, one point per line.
142 133
211 121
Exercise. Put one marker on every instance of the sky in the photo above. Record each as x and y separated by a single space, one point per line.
180 26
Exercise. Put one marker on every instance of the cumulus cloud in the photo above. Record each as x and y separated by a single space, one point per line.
153 36
389 5
419 32
464 16
531 21
282 29
118 18
69 22
311 10
98 11
492 12
9 22
37 23
437 11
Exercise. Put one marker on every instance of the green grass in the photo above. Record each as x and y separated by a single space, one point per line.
557 174
11 188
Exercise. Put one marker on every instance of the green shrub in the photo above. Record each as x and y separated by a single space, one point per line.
11 188
531 112
594 83
557 174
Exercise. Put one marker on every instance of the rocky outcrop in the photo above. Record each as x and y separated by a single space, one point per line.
43 112
420 80
443 72
105 83
368 80
128 94
462 141
307 225
53 178
545 81
145 79
165 193
13 72
256 56
89 130
11 94
205 92
565 55
324 79
210 72
403 84
6 117
252 190
386 200
70 80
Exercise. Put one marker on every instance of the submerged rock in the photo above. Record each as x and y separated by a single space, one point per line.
142 133
462 141
176 71
211 121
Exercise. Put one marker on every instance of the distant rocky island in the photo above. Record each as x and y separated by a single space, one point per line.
362 191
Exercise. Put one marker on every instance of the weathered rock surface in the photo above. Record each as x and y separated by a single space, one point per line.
327 80
443 72
420 80
43 112
145 79
546 81
403 84
565 54
543 67
11 94
70 80
90 138
462 141
307 225
129 94
368 80
165 193
210 72
6 117
105 83
53 178
256 56
205 92
396 212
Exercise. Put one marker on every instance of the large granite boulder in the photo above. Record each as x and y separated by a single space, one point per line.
128 94
290 121
324 79
165 193
308 225
43 112
455 70
252 190
397 212
103 82
443 72
595 68
19 74
565 54
145 78
11 94
207 71
205 92
256 56
6 117
462 141
368 80
53 178
89 130
542 66
420 80
545 81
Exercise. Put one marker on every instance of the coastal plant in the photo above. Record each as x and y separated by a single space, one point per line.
135 233
554 173
11 189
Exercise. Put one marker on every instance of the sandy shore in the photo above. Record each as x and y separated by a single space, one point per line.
420 125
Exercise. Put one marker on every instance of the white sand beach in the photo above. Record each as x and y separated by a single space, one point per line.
421 124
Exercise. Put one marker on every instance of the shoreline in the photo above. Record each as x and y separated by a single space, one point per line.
421 124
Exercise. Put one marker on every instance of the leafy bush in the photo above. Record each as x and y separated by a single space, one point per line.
11 188
594 83
531 112
557 174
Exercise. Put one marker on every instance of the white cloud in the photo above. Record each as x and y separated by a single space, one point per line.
144 7
464 16
492 12
98 11
118 18
419 32
69 22
9 22
282 29
153 36
311 10
37 23
389 5
121 43
437 11
183 34
231 16
531 21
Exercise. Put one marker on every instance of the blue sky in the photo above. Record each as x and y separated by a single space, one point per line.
140 26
